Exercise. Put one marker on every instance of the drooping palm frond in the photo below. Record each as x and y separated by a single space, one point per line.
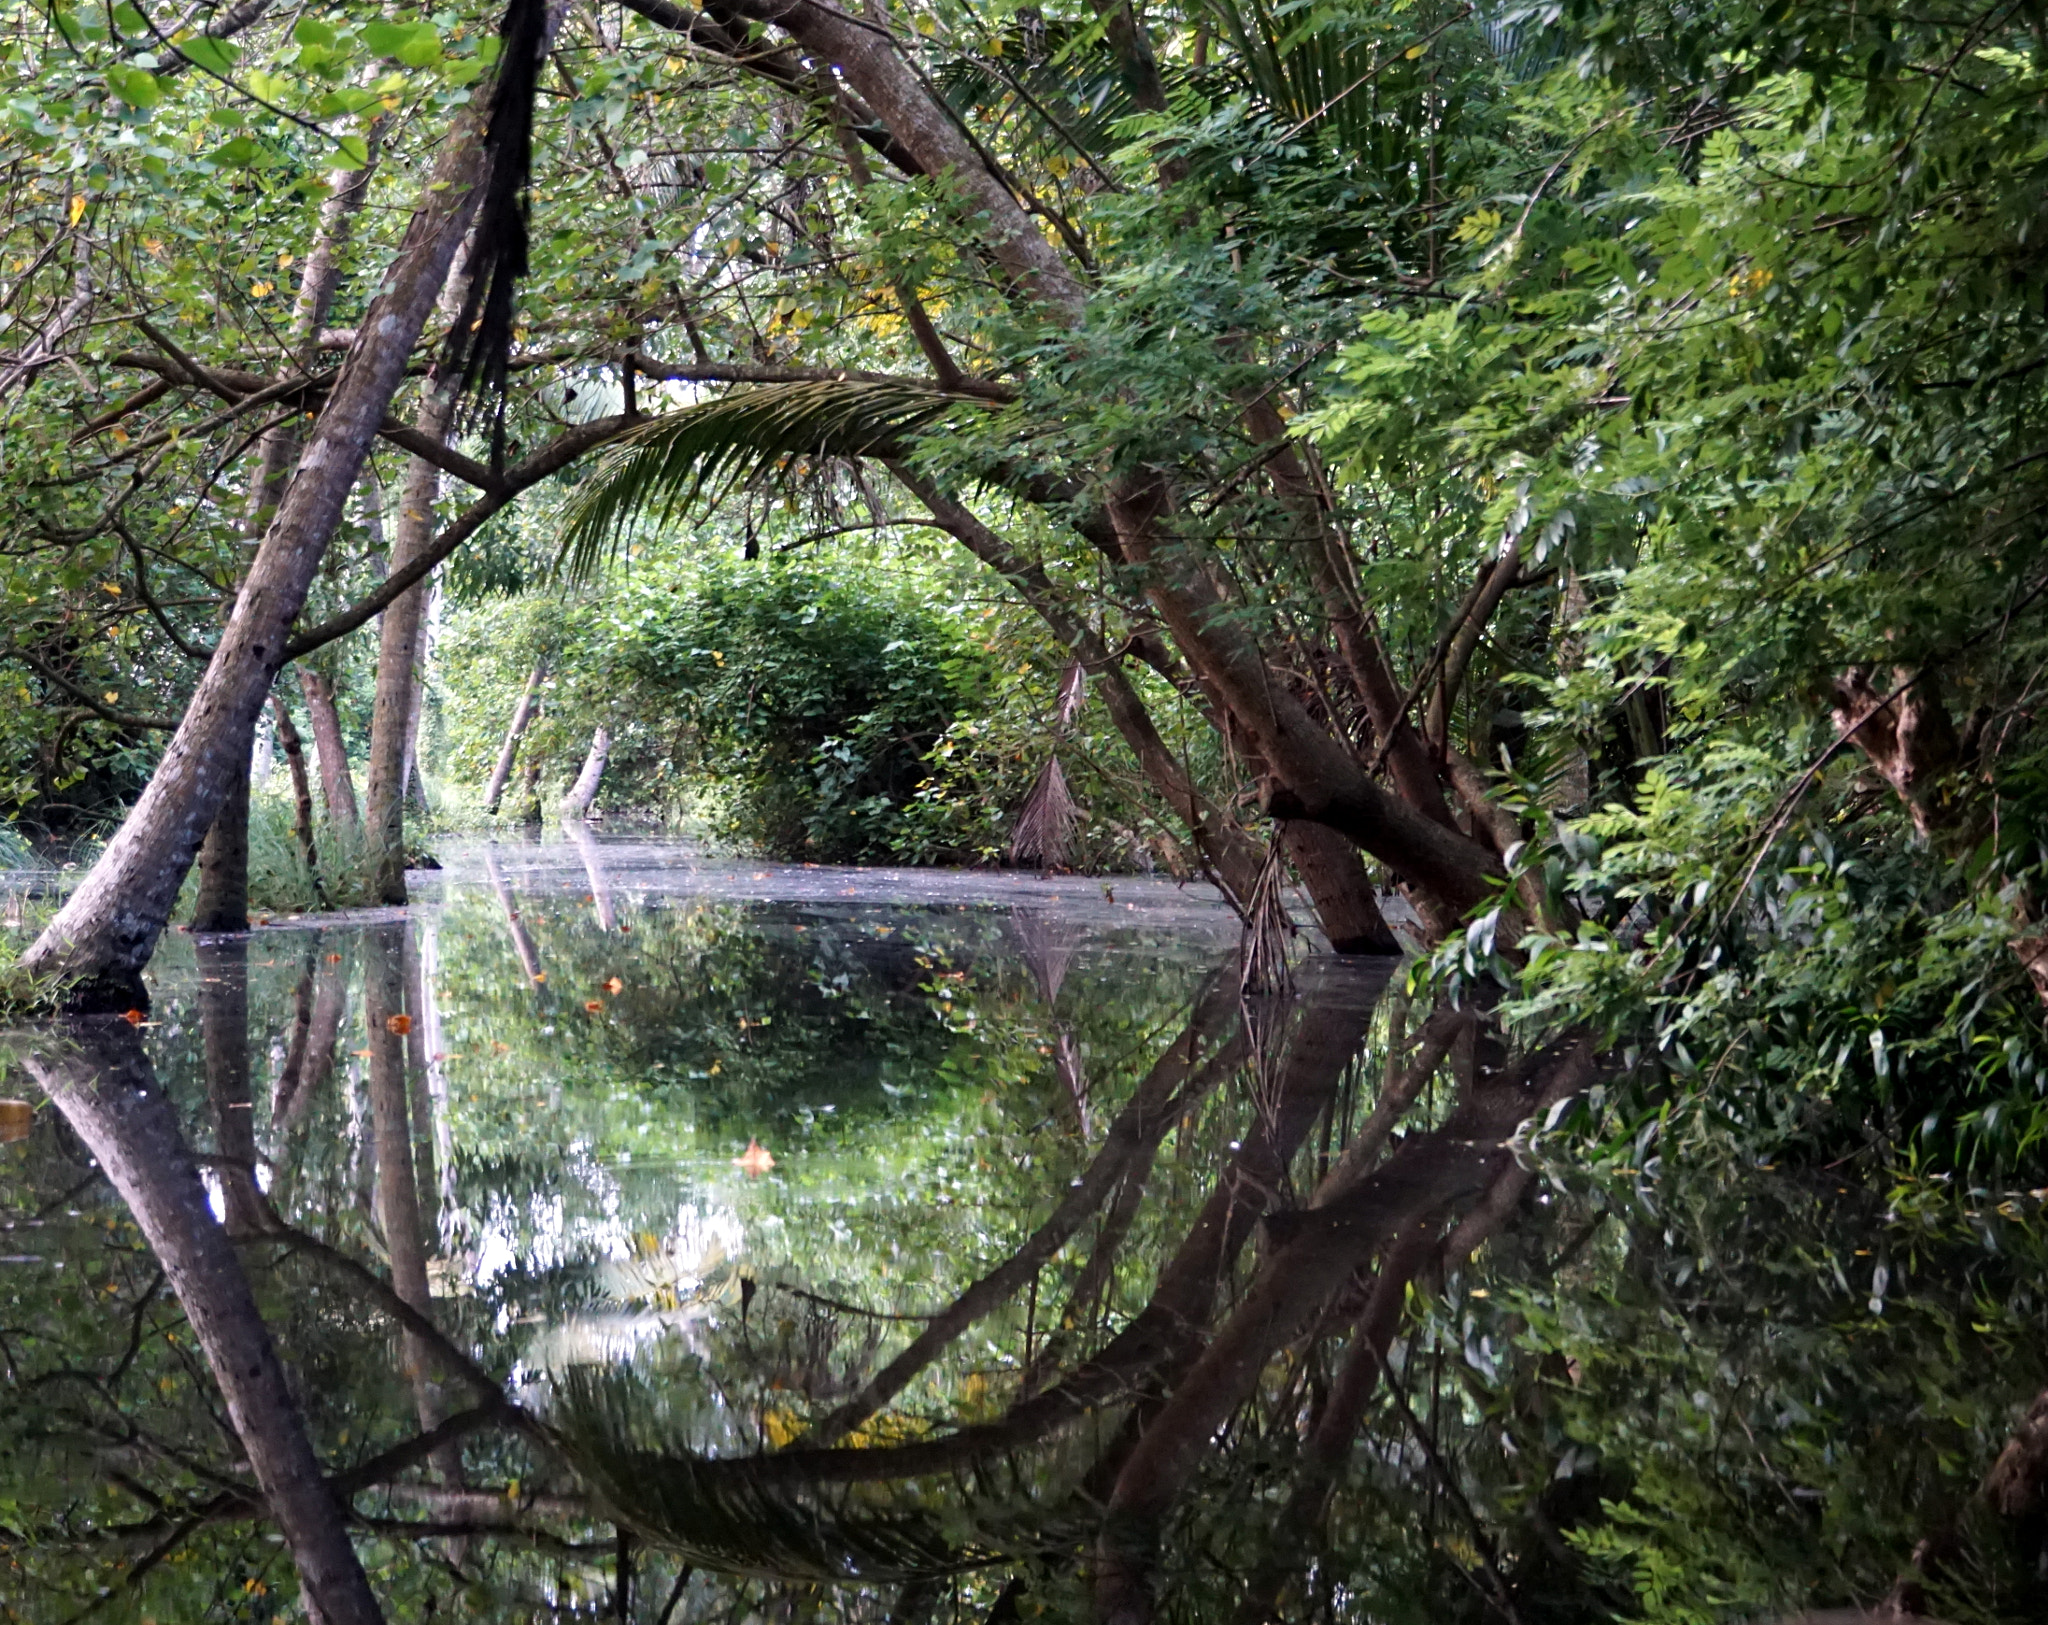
1045 823
718 1515
671 462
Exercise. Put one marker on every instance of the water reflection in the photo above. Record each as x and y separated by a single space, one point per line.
413 1267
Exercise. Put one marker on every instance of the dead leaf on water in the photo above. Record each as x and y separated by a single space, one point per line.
754 1161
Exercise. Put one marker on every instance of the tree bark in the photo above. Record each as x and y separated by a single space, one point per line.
522 714
1335 879
302 792
577 803
337 783
398 641
108 1092
100 940
223 901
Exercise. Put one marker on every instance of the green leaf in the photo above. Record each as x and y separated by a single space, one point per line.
241 153
135 87
215 56
345 101
351 152
306 31
417 45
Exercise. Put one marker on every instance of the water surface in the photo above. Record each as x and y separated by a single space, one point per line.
658 1238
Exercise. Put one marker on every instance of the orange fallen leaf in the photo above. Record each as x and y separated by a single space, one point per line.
361 1054
134 1018
501 1046
400 1025
615 986
594 1006
334 959
540 976
754 1161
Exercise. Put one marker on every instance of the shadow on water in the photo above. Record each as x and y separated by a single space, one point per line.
621 1237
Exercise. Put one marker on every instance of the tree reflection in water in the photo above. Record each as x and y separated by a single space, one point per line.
1079 1291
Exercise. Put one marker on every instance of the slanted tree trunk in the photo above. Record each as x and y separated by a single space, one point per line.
577 803
522 714
107 1091
223 902
99 941
337 783
1334 876
593 872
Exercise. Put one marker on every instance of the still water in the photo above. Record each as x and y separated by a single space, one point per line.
619 1234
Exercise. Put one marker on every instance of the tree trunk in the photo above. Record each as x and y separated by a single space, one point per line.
224 1036
577 803
522 939
593 872
302 792
337 783
103 936
522 714
1334 876
108 1093
223 903
391 721
397 1190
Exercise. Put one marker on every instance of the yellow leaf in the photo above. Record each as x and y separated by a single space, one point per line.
259 289
77 207
1413 52
113 587
284 261
110 696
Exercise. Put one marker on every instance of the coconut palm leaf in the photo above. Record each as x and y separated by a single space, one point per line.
717 1515
671 462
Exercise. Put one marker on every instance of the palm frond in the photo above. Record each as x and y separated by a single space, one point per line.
671 462
766 1525
1045 823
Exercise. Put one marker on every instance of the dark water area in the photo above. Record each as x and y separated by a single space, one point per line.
618 1234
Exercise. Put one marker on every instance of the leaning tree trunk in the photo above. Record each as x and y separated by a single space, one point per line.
107 1091
105 933
577 803
223 903
337 784
522 714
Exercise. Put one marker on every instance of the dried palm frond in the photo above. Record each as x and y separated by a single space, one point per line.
671 462
1047 947
1073 694
1046 821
